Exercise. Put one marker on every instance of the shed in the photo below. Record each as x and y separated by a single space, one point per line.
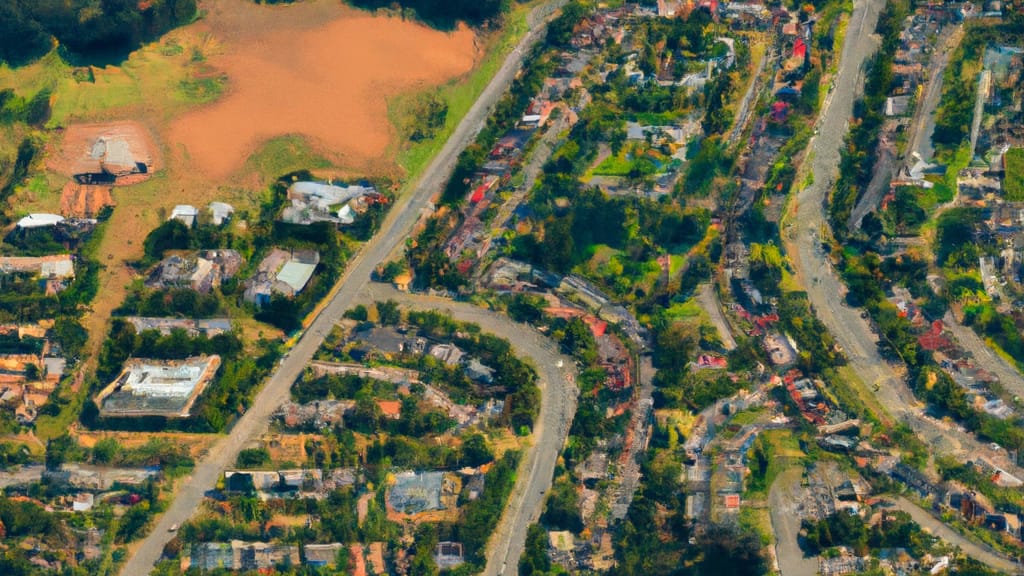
220 212
185 214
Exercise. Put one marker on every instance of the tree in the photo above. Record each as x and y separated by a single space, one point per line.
106 451
388 313
358 313
253 458
475 451
535 556
728 551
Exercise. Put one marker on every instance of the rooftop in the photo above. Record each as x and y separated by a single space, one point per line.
154 387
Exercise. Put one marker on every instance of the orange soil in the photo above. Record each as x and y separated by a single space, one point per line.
84 200
318 69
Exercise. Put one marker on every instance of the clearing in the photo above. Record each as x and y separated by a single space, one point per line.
327 77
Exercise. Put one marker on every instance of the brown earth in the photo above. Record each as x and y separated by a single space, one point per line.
319 69
70 153
84 200
197 444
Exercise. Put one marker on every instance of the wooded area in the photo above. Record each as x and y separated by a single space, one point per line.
86 27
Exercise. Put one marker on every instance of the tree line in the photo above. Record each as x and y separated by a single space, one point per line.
87 28
445 13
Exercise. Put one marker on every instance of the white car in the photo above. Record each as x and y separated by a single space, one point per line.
173 528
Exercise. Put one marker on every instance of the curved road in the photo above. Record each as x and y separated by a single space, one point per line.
980 552
814 271
558 405
824 288
396 227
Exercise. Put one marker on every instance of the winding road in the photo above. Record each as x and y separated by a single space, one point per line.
396 227
825 289
558 405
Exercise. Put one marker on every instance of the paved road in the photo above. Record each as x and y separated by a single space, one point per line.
708 299
558 405
824 288
979 552
1009 377
394 230
783 496
924 120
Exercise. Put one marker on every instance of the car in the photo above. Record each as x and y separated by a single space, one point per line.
173 528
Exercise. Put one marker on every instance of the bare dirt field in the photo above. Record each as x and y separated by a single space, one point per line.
319 69
84 200
71 154
197 444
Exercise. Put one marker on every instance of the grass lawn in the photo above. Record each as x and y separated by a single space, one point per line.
614 166
675 265
169 76
747 417
853 392
685 310
759 521
784 453
285 154
1013 183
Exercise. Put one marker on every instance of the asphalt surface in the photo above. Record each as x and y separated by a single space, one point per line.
708 299
783 497
558 405
824 288
1009 378
396 227
924 121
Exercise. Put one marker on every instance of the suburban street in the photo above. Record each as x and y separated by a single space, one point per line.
1009 378
558 405
825 289
393 231
977 551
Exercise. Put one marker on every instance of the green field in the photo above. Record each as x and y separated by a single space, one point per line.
1013 183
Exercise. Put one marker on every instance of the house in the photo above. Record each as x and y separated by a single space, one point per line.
356 561
185 214
448 555
800 49
450 354
322 555
83 502
220 212
375 558
897 105
391 409
281 272
479 372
